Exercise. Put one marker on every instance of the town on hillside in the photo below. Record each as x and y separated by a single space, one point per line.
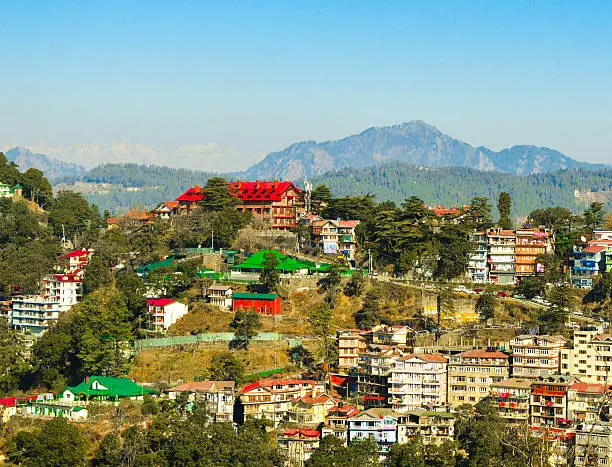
310 327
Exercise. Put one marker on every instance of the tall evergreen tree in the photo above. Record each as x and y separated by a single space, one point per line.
504 207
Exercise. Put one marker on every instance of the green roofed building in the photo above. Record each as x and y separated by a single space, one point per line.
105 388
286 264
169 262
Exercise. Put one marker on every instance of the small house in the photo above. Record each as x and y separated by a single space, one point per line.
262 303
104 388
220 295
164 312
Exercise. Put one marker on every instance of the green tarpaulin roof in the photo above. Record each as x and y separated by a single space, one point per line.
117 387
255 296
285 263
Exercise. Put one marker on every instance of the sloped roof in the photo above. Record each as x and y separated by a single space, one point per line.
261 190
193 194
378 412
348 224
428 357
594 249
285 262
160 301
254 296
514 383
592 388
481 353
204 386
299 432
267 383
117 387
77 253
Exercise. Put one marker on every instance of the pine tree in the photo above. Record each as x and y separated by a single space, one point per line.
504 207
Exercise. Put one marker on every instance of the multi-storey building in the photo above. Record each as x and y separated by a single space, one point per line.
501 255
589 262
348 348
272 399
297 445
66 288
392 335
531 242
347 238
372 374
34 314
217 396
590 358
548 402
588 402
378 423
511 398
593 444
334 236
76 259
471 374
534 355
477 265
336 422
279 203
604 238
418 380
311 409
220 295
433 427
164 312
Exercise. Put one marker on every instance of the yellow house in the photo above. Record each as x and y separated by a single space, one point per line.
311 408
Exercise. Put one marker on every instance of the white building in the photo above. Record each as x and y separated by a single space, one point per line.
220 295
66 288
77 259
164 312
533 355
218 397
34 314
417 381
590 359
477 265
593 444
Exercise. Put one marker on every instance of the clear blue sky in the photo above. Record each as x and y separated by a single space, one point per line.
258 76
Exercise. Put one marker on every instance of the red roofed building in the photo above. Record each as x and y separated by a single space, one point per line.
589 262
66 289
311 408
297 445
167 209
585 400
77 259
549 401
164 312
8 408
471 375
272 399
280 203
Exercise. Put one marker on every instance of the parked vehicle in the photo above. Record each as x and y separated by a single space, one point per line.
502 294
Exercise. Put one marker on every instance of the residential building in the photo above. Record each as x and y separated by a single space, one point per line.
218 396
534 355
66 288
311 409
8 405
590 357
167 209
589 262
33 314
347 238
593 444
588 402
531 242
477 264
5 310
501 255
5 191
272 399
348 348
324 235
189 200
379 423
297 445
372 374
604 238
392 335
220 295
104 389
472 373
433 427
336 422
164 312
511 399
548 401
262 303
416 381
76 260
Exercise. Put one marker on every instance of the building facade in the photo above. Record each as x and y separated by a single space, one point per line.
501 246
534 355
548 402
263 304
348 348
164 312
220 295
218 396
66 288
511 398
531 242
477 265
378 423
590 358
33 314
589 262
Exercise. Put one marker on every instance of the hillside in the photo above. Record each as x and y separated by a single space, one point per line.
454 186
51 167
415 143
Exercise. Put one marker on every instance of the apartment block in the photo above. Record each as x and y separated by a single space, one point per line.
471 375
433 427
418 380
549 401
477 265
588 402
33 314
531 242
593 444
590 358
534 355
501 255
348 348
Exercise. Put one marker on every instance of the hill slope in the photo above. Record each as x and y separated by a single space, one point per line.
456 186
415 143
52 168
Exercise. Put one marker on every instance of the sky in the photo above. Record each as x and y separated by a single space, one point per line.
258 76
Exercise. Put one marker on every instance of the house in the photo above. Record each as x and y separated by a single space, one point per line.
218 397
297 445
347 238
433 427
472 373
164 312
104 389
334 237
66 288
588 402
33 314
531 242
311 409
392 335
590 357
272 399
5 191
262 303
220 295
189 200
167 209
8 408
534 355
132 219
379 423
511 399
41 408
593 444
589 262
477 264
372 374
348 348
76 259
501 255
549 401
418 380
336 422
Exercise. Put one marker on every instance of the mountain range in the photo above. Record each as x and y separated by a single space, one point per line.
415 143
